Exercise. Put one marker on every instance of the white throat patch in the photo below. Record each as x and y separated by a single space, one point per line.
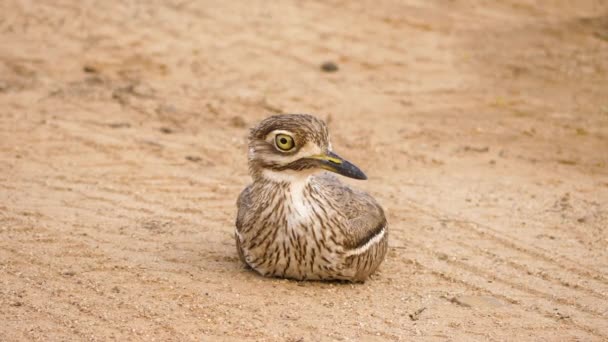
298 180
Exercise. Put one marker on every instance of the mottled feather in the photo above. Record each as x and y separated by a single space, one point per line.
366 217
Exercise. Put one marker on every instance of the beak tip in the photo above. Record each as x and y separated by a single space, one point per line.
354 172
361 176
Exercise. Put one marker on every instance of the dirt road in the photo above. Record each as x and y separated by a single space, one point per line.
482 126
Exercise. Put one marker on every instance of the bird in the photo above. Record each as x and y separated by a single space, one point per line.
297 220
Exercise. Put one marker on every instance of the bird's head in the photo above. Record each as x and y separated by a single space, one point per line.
294 145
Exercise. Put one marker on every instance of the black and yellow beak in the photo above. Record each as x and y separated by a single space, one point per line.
334 163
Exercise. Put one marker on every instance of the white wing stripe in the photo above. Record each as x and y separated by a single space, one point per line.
360 250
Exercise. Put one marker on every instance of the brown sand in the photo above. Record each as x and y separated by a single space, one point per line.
482 125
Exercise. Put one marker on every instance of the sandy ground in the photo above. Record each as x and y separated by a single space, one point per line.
482 125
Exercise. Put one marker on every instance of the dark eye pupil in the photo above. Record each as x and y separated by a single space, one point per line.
283 141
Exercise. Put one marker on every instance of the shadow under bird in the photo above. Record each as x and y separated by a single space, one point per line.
298 221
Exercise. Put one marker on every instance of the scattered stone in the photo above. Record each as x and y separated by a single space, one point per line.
166 130
16 304
329 66
476 149
416 315
68 273
476 301
115 289
201 160
90 69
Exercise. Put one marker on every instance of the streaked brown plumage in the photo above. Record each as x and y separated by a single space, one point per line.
297 221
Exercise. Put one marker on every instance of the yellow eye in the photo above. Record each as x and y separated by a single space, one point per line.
284 142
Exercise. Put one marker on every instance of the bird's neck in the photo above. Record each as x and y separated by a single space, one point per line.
286 176
292 184
292 193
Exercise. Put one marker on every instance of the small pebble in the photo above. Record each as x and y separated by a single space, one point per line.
329 66
90 69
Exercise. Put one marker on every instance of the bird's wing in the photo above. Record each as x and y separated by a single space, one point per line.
367 223
366 220
243 204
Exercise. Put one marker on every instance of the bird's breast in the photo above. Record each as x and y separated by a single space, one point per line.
295 237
